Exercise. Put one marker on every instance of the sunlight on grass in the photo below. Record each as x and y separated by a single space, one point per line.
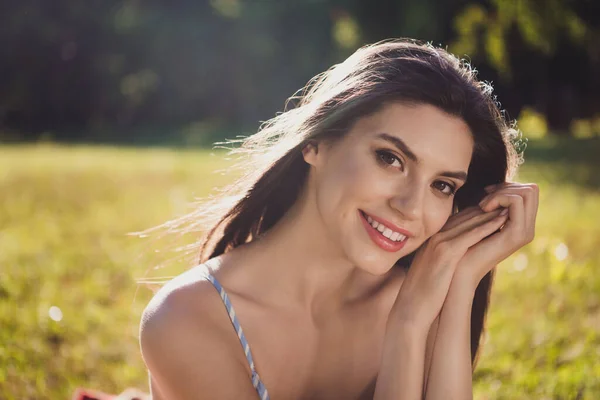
69 309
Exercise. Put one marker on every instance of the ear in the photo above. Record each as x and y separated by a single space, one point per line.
310 152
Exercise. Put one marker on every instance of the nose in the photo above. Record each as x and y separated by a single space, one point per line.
408 201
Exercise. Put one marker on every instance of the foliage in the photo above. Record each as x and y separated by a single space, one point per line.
69 308
101 70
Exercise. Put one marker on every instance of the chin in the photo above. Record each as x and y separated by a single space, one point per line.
375 271
376 261
373 263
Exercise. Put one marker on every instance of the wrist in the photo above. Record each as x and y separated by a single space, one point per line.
461 292
465 281
408 342
405 332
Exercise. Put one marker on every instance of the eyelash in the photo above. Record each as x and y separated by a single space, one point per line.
449 186
383 154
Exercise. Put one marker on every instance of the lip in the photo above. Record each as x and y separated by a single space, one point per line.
380 240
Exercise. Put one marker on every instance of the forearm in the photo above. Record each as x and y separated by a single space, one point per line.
450 375
431 338
402 365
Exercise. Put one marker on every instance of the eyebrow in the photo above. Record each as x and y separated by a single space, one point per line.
403 147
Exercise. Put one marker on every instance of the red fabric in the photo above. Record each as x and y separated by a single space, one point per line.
129 394
88 394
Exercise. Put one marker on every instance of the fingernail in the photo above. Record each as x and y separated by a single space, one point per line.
504 212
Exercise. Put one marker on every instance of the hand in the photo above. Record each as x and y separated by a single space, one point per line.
428 279
521 202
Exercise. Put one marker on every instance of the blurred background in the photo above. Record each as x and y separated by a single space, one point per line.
108 113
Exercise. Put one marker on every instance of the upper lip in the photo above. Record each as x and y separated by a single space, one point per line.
390 225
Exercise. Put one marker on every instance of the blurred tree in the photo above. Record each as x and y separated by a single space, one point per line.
544 54
74 67
122 69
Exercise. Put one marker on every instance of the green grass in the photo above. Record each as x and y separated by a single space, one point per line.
65 212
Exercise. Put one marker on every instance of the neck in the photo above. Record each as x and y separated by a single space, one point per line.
296 264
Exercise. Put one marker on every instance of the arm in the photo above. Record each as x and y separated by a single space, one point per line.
451 372
402 365
429 347
411 323
431 339
451 369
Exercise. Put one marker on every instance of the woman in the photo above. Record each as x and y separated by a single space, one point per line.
358 251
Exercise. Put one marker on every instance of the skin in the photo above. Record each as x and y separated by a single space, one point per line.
324 311
450 375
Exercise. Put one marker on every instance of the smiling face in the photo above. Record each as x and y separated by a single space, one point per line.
388 184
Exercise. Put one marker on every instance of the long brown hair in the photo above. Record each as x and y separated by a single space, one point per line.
399 71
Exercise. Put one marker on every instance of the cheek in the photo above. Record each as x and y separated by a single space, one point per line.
346 184
436 215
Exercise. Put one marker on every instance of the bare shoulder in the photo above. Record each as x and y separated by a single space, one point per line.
187 299
188 344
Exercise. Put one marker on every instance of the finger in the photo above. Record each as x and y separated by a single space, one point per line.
479 232
498 186
469 224
491 188
530 195
462 216
516 210
484 203
528 190
507 184
497 247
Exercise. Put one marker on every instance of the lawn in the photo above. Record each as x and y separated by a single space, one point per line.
70 305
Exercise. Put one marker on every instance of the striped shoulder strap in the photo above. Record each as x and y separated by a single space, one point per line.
256 382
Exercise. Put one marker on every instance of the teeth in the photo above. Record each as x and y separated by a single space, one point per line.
385 231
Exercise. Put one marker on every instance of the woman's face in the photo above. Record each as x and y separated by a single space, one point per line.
389 183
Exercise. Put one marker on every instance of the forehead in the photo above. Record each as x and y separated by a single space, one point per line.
433 135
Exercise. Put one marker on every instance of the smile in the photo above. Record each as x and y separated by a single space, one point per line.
386 237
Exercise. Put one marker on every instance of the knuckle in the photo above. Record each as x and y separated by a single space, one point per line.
521 239
436 239
443 249
485 227
513 239
528 189
518 199
531 191
441 246
530 237
485 217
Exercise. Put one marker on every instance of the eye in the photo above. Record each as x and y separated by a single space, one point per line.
388 159
446 188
